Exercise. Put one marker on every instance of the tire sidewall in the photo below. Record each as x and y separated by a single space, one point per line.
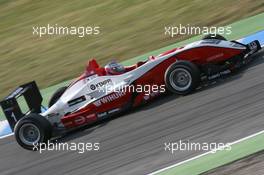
41 123
191 68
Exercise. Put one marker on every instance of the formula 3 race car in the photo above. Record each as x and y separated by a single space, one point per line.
95 95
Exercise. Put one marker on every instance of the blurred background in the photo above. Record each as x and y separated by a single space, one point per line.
127 29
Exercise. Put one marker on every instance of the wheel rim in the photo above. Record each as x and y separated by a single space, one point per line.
29 134
180 79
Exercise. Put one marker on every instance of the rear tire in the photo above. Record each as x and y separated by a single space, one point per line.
57 94
182 77
213 36
32 130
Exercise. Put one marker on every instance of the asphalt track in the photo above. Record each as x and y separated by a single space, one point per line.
226 111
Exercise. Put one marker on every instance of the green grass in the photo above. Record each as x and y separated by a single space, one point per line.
128 29
240 29
213 160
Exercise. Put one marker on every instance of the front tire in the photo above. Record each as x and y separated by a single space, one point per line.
182 77
32 130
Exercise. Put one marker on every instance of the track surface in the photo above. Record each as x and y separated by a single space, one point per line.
134 144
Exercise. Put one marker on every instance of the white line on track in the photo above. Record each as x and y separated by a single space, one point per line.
5 130
2 137
204 154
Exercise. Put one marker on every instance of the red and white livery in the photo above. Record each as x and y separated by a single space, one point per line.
96 95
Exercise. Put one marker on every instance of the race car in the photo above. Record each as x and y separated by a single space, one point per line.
101 92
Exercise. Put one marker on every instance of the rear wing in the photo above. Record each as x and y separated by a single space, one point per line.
10 105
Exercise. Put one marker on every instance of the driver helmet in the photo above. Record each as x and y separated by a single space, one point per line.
114 68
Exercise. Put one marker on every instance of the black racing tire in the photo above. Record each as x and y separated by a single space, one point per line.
213 36
57 94
32 130
182 77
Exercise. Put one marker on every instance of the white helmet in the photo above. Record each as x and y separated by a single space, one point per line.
114 68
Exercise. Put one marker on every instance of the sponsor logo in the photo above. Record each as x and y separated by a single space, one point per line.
80 120
109 98
90 116
100 84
